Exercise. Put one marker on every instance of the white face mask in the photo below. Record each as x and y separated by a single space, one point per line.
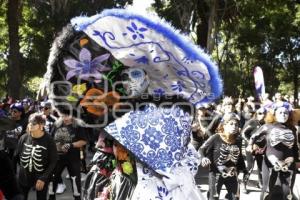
135 81
282 115
231 127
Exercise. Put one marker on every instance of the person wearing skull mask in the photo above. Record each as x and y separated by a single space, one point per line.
84 69
281 152
222 152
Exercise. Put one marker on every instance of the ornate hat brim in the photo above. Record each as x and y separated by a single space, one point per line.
173 63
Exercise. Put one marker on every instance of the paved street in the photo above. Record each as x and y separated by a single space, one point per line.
201 179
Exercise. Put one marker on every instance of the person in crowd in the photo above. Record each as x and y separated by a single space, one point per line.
37 156
250 102
151 140
17 114
202 119
239 105
257 155
50 119
266 102
246 114
28 106
8 183
46 109
278 97
227 107
222 152
281 152
69 137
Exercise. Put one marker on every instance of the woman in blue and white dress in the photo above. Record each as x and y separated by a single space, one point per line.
104 67
166 161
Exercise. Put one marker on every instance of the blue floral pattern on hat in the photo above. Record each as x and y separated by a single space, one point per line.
160 143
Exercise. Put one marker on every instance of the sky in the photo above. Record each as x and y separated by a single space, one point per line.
140 5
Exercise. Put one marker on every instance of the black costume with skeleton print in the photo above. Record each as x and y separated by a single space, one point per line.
226 161
223 156
279 160
280 140
38 157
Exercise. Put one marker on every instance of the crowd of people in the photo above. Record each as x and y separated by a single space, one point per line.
268 131
38 143
130 92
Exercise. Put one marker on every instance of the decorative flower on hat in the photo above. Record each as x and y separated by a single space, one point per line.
77 91
136 31
120 152
86 68
127 167
97 102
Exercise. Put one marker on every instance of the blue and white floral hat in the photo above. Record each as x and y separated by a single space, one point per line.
174 65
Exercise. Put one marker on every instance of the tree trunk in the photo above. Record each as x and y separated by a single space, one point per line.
14 73
212 21
296 83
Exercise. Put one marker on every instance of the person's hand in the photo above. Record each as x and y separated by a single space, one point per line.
39 185
205 162
249 148
66 147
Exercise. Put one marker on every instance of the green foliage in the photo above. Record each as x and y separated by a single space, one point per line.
32 86
249 33
40 23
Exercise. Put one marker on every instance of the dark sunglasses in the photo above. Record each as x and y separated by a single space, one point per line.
45 108
260 113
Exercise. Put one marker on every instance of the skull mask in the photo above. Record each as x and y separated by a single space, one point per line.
135 81
281 114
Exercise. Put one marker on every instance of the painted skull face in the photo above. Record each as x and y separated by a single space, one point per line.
231 127
135 81
282 114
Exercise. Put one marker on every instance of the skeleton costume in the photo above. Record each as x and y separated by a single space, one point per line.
280 156
96 70
37 158
225 154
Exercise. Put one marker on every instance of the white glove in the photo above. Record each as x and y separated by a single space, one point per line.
205 162
249 148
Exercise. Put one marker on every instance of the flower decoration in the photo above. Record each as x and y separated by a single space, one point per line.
127 167
120 152
77 90
159 92
86 68
97 102
83 42
72 98
136 31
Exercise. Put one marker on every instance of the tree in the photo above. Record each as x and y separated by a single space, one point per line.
40 22
14 72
